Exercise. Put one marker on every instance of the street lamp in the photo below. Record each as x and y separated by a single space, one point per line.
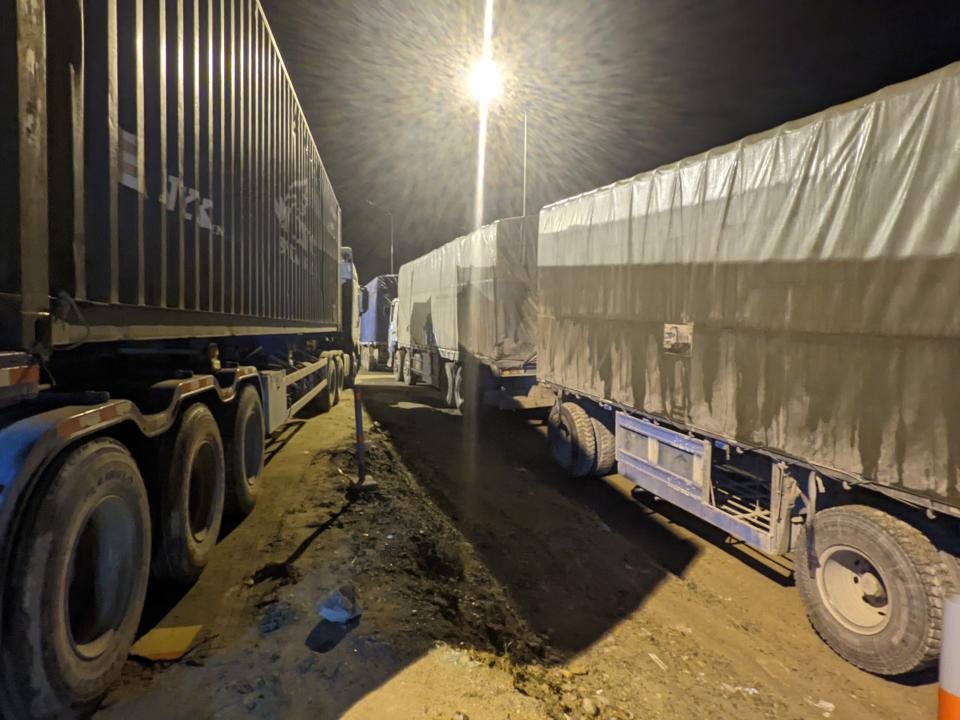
485 85
390 215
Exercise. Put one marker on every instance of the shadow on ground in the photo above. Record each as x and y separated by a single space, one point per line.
573 555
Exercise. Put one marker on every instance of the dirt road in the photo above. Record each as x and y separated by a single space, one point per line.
491 586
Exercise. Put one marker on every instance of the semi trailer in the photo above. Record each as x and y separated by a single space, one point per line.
375 302
169 295
466 317
766 335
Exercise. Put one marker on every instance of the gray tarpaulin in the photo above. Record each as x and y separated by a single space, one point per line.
797 290
475 295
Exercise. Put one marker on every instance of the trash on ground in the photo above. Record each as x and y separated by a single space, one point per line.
275 616
340 606
825 705
166 643
658 661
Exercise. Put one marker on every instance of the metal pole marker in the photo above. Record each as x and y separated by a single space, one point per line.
950 661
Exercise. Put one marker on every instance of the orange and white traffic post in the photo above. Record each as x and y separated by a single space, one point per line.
950 661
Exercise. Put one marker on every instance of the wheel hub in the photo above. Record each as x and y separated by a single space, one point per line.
853 590
102 568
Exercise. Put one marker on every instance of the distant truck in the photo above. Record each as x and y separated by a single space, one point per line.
169 295
767 335
375 302
466 318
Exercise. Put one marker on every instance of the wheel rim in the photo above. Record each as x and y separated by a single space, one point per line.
201 494
252 448
853 590
102 574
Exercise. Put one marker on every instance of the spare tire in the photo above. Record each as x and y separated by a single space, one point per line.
193 484
572 441
79 575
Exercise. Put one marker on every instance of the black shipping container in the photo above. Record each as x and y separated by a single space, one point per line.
168 185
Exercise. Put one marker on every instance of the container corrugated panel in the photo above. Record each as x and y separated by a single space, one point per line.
796 290
187 195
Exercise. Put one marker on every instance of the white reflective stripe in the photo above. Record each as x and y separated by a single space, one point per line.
130 181
950 653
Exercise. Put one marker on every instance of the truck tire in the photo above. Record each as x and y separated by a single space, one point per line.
606 444
409 378
371 363
79 577
572 441
338 385
449 378
192 493
323 400
350 374
873 587
243 451
460 389
398 356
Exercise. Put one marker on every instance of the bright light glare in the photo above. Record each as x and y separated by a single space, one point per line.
485 81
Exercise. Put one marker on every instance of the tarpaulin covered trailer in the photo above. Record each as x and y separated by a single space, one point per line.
472 301
475 295
769 329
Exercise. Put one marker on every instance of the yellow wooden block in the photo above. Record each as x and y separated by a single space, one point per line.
166 643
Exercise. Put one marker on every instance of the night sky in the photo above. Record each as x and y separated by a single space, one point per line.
611 88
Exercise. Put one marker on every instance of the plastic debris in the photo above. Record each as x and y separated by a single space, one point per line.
340 606
275 616
825 705
662 665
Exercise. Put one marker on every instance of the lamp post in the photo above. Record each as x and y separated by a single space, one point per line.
390 215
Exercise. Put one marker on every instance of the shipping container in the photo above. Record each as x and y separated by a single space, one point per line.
185 193
169 294
766 335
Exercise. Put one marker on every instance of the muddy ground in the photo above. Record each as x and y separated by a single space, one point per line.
492 586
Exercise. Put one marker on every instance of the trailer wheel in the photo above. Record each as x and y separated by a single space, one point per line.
409 378
398 356
606 444
191 497
244 451
571 436
323 400
350 378
338 383
449 378
873 587
79 578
